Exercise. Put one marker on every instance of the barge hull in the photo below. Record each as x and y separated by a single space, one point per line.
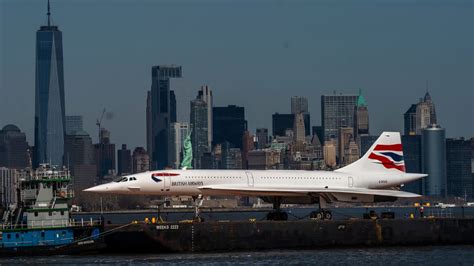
260 235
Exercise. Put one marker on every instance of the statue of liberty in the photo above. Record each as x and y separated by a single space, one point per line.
187 153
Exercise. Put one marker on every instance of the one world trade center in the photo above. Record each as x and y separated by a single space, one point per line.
49 100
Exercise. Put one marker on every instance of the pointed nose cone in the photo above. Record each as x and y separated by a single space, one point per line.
100 188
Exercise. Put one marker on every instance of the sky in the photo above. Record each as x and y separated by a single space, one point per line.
255 54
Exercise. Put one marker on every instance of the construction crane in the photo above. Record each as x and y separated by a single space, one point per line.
99 124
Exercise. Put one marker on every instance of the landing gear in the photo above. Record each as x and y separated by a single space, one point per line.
277 214
322 213
197 203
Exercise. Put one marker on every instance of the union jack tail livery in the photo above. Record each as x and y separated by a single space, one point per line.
385 155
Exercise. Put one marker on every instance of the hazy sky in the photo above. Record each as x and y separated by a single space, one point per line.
255 54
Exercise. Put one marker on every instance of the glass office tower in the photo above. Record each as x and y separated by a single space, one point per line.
49 100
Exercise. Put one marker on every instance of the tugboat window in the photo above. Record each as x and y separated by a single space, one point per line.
36 213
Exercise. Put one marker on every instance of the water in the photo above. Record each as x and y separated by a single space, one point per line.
428 255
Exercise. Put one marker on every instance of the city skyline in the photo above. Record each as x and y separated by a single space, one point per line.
448 84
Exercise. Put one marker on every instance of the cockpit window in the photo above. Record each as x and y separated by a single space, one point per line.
121 179
132 178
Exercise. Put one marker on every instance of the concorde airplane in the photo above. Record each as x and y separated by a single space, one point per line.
376 177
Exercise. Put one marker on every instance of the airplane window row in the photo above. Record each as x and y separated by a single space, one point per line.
215 177
301 177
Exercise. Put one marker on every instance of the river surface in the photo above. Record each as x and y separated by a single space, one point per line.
428 255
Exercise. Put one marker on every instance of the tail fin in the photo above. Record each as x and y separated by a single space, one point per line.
386 154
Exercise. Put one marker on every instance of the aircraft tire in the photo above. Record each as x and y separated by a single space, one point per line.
327 215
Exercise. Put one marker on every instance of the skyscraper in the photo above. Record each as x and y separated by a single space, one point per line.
299 105
346 135
79 157
13 148
433 160
282 122
458 168
262 138
229 125
199 137
409 119
73 123
104 154
337 111
205 93
298 128
163 112
149 132
179 131
124 161
49 99
425 113
361 118
423 117
412 156
247 145
140 160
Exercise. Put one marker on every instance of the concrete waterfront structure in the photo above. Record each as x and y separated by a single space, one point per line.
229 125
178 133
433 161
337 111
14 149
49 98
162 113
124 161
199 136
458 168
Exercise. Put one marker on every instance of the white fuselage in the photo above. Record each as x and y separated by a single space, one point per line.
189 182
372 178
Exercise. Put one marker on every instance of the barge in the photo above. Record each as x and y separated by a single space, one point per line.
224 236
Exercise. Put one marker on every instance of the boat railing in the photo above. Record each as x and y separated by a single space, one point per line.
54 224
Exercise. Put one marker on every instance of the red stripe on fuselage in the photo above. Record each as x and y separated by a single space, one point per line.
165 174
390 147
386 162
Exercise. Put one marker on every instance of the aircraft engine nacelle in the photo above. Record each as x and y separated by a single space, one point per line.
361 198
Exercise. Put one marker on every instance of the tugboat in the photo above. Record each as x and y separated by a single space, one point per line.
40 224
